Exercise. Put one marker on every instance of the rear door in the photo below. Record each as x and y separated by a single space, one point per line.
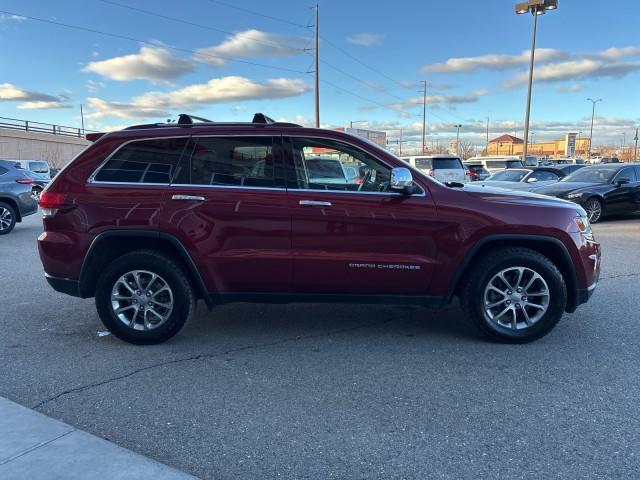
448 169
228 206
623 198
358 238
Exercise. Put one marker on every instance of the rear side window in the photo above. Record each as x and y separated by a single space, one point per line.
3 170
238 161
144 161
447 164
423 163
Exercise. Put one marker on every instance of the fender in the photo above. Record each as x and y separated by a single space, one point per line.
180 248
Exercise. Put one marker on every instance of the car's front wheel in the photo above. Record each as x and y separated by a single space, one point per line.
514 295
594 209
7 218
144 297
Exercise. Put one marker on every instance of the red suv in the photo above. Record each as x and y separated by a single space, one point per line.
152 218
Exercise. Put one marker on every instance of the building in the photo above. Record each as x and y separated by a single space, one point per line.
572 145
376 136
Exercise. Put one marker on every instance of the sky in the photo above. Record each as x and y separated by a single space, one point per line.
131 62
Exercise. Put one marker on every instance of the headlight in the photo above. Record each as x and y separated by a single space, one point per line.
582 221
574 195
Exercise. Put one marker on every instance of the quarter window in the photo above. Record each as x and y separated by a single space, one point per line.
144 161
239 161
329 165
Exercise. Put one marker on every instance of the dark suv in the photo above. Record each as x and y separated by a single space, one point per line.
149 219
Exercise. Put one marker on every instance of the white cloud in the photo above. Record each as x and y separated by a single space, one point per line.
434 100
30 99
217 90
251 44
366 39
575 69
156 64
493 62
92 86
4 17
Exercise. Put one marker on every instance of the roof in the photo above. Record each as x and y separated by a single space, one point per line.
507 139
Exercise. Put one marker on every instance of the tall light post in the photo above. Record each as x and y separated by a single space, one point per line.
593 112
357 121
635 150
458 127
536 7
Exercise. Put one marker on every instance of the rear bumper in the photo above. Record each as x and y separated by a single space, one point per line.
64 285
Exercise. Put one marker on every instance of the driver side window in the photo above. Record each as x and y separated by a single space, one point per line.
323 164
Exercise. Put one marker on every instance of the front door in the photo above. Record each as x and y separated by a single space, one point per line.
357 236
622 198
228 207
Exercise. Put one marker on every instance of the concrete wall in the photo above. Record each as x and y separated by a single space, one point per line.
58 150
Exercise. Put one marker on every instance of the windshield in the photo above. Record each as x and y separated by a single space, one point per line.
39 167
592 175
509 175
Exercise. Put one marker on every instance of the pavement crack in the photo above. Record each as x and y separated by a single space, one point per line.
211 355
622 275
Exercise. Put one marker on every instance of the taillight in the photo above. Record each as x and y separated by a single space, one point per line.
25 181
50 203
473 174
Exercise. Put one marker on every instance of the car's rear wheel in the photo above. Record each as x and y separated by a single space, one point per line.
144 297
514 295
7 218
594 209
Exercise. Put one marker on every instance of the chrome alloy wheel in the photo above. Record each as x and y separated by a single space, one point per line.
5 218
516 298
594 210
142 300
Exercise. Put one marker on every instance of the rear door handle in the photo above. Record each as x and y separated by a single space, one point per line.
192 198
314 203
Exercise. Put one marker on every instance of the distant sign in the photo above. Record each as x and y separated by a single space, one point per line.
376 136
570 144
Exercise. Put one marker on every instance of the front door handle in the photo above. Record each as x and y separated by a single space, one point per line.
192 198
314 203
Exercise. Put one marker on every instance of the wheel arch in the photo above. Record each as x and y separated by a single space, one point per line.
10 201
110 245
550 247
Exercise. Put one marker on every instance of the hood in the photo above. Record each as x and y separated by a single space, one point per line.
501 195
520 186
561 188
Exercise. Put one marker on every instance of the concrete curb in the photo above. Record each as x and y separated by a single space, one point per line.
34 446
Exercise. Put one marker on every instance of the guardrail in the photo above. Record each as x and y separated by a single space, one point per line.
39 127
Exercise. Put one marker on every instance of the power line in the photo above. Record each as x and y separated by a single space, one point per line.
263 15
144 42
199 25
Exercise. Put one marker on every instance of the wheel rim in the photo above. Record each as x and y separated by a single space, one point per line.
6 219
594 210
516 298
142 300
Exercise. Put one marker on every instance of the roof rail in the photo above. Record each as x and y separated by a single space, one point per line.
185 119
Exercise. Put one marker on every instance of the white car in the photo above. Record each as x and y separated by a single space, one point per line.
446 168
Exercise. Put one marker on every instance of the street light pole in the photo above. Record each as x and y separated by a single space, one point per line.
593 112
424 113
536 7
635 150
458 127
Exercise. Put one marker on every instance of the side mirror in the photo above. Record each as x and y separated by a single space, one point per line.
401 179
622 181
532 180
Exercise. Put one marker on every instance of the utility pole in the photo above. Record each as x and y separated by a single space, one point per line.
593 111
635 150
424 113
317 74
486 148
82 118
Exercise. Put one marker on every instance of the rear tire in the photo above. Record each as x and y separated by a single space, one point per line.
144 297
514 295
7 218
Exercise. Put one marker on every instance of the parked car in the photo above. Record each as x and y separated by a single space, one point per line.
477 172
524 179
602 190
37 166
446 168
38 182
494 164
152 218
16 197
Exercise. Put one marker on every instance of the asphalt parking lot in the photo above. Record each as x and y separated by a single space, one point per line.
333 391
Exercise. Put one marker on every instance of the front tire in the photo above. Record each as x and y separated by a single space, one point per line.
514 295
594 209
144 297
7 218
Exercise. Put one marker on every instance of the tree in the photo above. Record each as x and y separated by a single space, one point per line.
466 149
